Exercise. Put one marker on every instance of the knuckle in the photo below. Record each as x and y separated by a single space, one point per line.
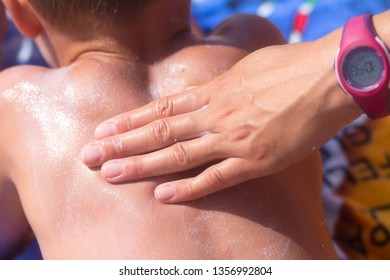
164 107
263 153
128 122
214 179
243 133
135 168
229 110
180 155
191 191
117 145
161 131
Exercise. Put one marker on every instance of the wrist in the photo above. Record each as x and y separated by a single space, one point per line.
338 104
382 27
362 66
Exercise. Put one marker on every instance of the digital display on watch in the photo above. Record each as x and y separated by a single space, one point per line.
363 67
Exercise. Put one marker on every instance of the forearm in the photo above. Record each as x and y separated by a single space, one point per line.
339 107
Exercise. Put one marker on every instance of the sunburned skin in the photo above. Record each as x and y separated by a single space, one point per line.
48 115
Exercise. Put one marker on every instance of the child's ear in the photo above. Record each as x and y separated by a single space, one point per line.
24 17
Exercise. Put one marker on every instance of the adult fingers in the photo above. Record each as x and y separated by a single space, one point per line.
176 158
154 136
217 177
190 100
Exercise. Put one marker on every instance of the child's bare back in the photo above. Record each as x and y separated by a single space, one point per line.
48 115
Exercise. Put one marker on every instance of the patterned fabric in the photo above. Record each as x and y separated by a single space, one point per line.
358 189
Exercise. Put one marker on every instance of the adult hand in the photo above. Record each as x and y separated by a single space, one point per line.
269 111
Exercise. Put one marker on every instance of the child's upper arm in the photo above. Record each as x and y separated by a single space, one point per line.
9 80
14 227
13 223
6 80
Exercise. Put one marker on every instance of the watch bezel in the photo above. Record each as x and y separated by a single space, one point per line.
349 81
373 96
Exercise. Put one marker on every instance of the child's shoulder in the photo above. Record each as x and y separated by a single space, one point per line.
14 75
247 31
15 80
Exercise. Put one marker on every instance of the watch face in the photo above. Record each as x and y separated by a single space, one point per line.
363 68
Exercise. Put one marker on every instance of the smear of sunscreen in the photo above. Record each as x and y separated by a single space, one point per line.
55 122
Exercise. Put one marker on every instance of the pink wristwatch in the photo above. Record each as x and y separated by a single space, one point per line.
362 66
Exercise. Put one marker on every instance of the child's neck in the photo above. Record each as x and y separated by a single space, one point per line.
155 35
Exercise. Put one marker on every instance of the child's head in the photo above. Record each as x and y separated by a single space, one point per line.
81 17
101 14
57 25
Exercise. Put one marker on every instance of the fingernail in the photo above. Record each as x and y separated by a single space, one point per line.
92 153
165 192
113 170
105 130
